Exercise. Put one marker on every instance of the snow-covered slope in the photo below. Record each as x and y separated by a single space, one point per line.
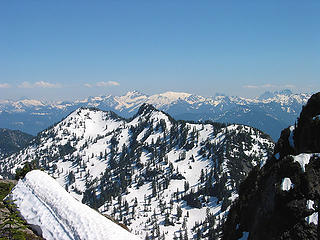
270 113
42 202
156 175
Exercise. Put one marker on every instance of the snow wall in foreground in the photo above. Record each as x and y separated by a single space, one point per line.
44 203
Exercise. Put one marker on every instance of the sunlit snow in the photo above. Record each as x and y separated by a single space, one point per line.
313 218
90 132
303 159
44 203
286 184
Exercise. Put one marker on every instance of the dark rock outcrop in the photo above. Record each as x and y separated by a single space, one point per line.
306 136
281 200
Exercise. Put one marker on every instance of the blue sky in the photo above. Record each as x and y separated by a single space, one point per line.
73 49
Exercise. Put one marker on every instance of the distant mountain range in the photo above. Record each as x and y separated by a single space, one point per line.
161 177
271 112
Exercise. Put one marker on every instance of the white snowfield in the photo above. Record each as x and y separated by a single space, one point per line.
44 203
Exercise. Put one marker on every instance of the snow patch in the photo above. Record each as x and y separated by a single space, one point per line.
310 204
291 141
44 203
313 218
303 159
286 184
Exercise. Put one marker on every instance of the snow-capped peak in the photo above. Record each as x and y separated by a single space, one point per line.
101 159
175 95
134 93
167 98
145 108
129 100
28 102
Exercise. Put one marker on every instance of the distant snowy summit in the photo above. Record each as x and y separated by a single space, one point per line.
270 112
43 203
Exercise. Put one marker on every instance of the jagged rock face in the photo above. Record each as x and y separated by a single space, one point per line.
279 201
307 134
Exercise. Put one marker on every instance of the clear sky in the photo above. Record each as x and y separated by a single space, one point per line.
68 49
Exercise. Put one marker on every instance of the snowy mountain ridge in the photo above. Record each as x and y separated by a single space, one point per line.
158 176
271 112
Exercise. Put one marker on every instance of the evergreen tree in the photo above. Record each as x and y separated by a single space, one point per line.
186 186
12 224
198 235
202 176
29 166
185 237
179 212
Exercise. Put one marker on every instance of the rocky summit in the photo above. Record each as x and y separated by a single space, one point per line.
281 200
